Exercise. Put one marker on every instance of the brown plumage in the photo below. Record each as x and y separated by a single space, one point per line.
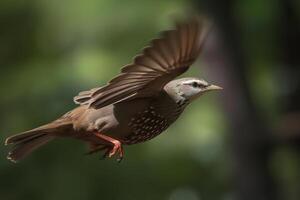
137 105
159 63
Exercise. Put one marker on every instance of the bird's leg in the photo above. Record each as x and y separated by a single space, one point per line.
116 146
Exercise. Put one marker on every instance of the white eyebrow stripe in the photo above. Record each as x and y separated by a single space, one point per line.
200 82
190 82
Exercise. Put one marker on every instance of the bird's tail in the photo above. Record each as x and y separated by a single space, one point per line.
26 142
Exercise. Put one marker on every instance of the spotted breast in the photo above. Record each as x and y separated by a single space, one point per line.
153 120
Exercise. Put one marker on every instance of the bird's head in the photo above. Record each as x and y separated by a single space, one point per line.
189 88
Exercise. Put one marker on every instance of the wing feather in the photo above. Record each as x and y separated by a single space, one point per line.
155 55
160 62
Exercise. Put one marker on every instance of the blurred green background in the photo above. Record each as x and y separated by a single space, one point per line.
51 50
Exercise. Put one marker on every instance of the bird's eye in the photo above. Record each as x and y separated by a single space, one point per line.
195 84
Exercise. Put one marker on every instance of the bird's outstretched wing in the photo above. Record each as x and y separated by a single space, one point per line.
164 59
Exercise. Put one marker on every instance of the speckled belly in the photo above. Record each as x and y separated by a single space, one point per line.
145 126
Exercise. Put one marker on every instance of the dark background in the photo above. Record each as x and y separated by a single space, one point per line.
241 143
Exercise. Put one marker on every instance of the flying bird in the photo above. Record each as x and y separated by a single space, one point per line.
135 106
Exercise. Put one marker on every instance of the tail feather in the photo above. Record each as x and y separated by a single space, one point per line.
27 135
25 145
26 142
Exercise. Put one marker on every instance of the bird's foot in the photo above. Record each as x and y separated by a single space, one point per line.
116 148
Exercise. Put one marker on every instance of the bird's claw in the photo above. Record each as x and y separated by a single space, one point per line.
119 159
117 149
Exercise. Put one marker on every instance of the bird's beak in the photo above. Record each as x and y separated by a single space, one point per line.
213 87
209 88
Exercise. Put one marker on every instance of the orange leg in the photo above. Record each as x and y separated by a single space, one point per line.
116 146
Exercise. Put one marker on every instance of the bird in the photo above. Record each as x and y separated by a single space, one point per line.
141 102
